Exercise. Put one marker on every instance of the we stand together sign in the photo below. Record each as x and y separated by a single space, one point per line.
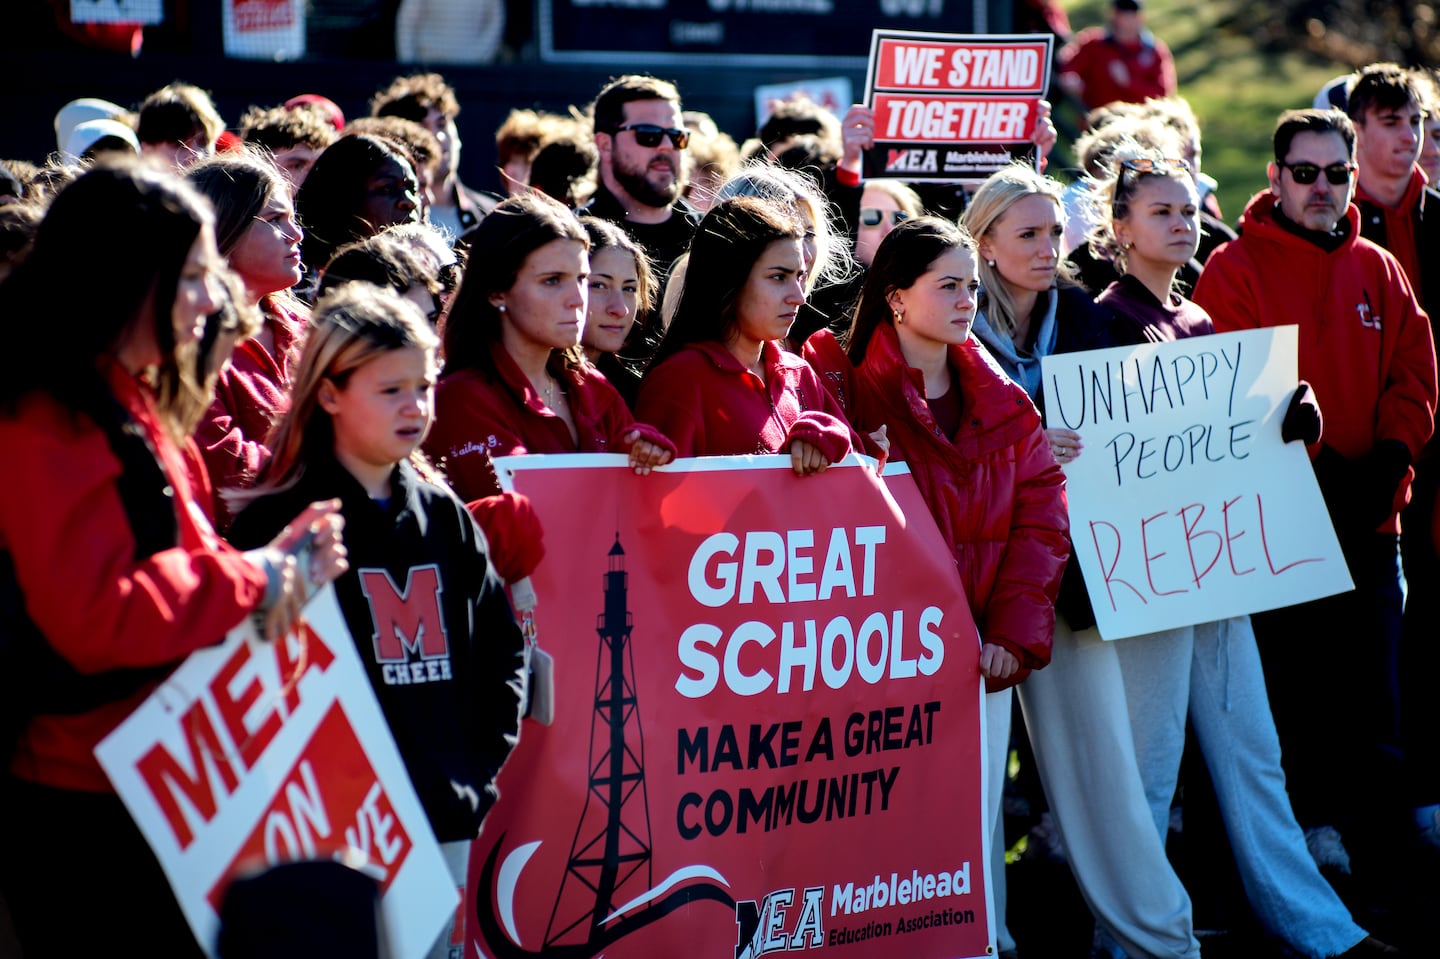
1185 505
767 733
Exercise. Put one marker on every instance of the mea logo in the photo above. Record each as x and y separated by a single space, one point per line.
762 926
911 161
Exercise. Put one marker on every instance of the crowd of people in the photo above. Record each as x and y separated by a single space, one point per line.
292 351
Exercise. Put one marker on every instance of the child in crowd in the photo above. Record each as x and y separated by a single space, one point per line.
451 688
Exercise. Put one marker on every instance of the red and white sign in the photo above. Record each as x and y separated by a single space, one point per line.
255 753
264 29
767 733
951 107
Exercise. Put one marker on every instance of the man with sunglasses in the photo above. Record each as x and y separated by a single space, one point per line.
640 136
1366 349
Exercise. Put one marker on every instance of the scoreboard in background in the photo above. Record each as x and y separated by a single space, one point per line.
799 34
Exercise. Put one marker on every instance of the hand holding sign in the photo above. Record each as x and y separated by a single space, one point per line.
1195 509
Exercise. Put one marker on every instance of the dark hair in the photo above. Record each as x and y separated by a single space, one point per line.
605 235
281 128
328 203
727 243
412 97
419 144
18 224
608 110
177 112
236 319
238 185
384 260
1381 86
498 248
1295 122
902 257
564 168
115 241
800 116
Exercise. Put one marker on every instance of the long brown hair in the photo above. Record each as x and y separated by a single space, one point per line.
499 247
350 327
901 258
114 242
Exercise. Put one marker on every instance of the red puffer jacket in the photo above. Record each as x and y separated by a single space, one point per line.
994 489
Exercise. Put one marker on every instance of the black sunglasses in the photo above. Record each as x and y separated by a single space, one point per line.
1307 173
650 134
874 216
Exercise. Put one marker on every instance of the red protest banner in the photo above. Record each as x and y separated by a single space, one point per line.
767 733
950 107
933 62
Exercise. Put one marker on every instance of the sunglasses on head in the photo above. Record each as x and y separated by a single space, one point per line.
1307 173
871 216
650 134
1153 165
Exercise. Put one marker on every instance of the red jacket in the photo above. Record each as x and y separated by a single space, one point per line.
250 395
478 417
995 490
1109 70
1365 344
710 404
65 527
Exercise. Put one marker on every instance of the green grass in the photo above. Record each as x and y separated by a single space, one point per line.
1236 90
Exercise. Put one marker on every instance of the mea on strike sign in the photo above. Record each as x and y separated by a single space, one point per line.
767 735
950 107
1185 506
254 753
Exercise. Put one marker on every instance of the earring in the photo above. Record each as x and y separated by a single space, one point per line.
899 317
990 263
501 307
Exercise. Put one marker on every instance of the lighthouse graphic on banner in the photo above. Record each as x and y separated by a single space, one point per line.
608 889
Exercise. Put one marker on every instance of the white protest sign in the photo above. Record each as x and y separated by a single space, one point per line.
264 29
1185 506
254 753
832 93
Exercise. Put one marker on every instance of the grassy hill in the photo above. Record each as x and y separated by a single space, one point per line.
1236 90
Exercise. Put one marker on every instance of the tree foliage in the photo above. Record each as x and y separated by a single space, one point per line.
1356 32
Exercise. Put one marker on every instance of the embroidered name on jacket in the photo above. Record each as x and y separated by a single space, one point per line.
410 642
1368 317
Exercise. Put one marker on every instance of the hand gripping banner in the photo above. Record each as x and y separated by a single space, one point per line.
767 733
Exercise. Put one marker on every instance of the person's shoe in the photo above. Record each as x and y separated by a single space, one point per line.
1009 954
1328 850
1370 948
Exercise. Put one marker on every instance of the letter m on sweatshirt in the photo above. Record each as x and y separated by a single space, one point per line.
408 620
